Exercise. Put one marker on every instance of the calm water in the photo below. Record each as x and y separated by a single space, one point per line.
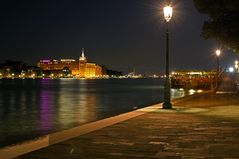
31 108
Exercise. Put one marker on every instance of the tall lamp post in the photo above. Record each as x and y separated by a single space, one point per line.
168 11
218 53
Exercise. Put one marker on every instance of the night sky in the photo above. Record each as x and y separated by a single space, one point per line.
120 34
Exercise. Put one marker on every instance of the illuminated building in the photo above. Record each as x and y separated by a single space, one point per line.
193 79
88 69
58 64
82 64
79 68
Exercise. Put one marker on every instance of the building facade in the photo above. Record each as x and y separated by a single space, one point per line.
78 68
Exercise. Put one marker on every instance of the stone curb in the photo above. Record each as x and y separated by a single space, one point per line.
47 140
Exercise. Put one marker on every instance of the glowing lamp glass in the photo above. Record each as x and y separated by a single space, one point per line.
168 12
218 52
236 62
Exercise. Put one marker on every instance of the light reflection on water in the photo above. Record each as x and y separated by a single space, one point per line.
31 108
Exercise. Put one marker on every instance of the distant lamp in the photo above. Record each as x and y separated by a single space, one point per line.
218 52
168 12
236 62
231 69
236 66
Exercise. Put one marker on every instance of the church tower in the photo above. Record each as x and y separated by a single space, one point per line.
82 64
82 57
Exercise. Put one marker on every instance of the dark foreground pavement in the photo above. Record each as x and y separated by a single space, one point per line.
200 130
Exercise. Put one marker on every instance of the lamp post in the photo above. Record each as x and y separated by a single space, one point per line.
218 53
236 66
168 11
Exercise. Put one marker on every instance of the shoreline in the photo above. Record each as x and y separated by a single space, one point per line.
27 146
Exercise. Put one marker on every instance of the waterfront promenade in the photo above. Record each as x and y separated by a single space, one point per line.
202 127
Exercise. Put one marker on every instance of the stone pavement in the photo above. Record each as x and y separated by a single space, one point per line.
204 127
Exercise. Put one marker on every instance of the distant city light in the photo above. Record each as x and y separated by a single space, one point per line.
68 60
199 91
195 73
46 61
231 69
191 91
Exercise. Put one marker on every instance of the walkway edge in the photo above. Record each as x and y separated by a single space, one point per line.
47 140
42 142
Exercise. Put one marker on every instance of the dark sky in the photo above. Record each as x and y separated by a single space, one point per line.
120 34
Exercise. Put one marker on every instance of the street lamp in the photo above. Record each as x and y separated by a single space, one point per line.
218 53
236 66
168 11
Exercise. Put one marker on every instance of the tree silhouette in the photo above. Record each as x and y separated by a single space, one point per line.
223 22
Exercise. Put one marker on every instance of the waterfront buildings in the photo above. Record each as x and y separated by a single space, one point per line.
18 69
76 67
193 79
64 68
